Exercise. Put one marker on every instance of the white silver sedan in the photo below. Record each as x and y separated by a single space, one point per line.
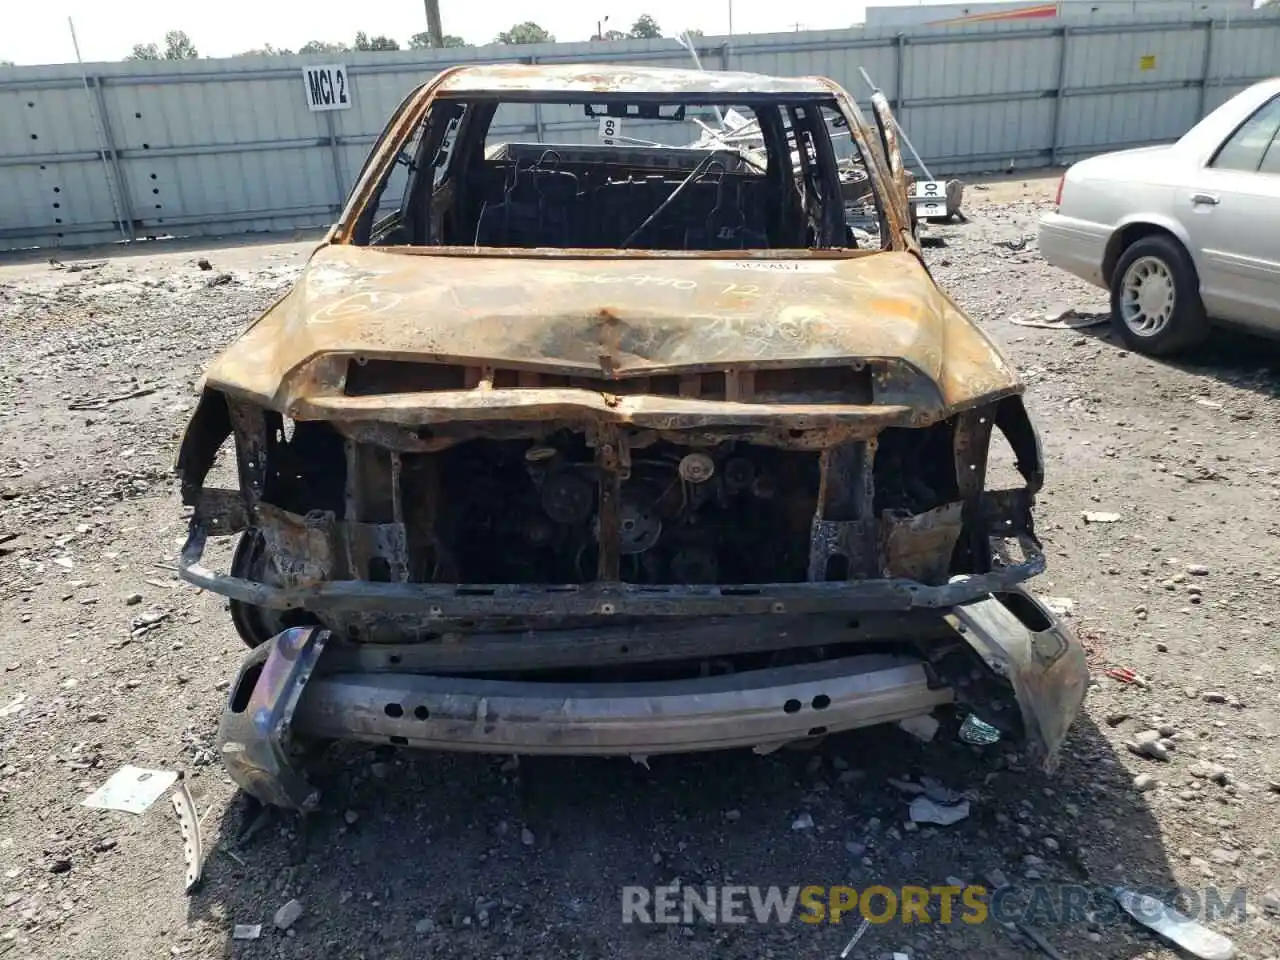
1183 235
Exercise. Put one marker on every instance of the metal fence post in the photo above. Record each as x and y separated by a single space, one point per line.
116 186
899 71
537 114
1207 67
1064 49
335 159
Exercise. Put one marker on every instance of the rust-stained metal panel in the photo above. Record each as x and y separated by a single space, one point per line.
593 78
671 311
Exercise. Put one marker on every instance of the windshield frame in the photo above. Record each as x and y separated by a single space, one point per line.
356 222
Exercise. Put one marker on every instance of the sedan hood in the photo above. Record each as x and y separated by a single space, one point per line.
607 314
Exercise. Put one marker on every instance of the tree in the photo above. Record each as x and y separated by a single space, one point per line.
692 34
380 42
422 41
645 28
323 46
266 50
527 32
177 46
614 35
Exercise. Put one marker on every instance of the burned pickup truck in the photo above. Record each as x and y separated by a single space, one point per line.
562 450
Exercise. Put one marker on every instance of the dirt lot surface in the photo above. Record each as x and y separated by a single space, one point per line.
109 659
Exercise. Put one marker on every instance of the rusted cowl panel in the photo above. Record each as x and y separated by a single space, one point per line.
563 78
622 315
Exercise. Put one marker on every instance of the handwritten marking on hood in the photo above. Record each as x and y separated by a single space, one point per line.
776 266
367 303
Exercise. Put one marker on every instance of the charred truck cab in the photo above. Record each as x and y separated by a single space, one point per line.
619 448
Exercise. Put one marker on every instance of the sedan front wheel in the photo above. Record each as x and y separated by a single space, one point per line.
1155 297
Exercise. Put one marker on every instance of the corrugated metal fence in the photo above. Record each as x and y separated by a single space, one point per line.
215 147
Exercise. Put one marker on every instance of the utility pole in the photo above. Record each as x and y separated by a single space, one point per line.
435 33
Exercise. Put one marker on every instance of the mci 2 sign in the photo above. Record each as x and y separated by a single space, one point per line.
327 88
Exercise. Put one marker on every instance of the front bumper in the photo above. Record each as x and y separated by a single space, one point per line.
285 697
1077 246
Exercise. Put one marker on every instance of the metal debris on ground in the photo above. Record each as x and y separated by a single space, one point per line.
1066 321
1125 675
246 931
131 789
97 403
1176 927
927 810
184 806
1098 516
977 732
857 935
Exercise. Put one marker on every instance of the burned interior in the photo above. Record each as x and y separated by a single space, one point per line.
619 448
464 182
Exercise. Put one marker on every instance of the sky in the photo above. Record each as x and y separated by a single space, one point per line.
108 29
222 28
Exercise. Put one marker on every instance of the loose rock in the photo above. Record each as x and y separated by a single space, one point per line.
288 915
1149 743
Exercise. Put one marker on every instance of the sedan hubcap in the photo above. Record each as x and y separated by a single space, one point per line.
1147 296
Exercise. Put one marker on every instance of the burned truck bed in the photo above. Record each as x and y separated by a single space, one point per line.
514 495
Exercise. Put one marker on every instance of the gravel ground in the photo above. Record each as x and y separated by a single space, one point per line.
111 660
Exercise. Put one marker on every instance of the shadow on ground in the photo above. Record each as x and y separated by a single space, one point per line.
1231 355
160 246
466 856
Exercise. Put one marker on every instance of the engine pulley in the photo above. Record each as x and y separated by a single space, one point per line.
638 528
697 468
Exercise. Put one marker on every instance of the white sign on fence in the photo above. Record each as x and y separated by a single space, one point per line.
327 87
609 129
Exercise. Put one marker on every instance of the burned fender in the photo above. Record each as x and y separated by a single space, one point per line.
209 427
1022 641
255 736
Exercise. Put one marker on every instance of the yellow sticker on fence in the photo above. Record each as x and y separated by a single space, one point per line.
1147 62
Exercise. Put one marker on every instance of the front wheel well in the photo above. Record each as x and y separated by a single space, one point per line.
1124 238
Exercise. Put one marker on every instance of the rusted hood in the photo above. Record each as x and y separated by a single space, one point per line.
606 314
